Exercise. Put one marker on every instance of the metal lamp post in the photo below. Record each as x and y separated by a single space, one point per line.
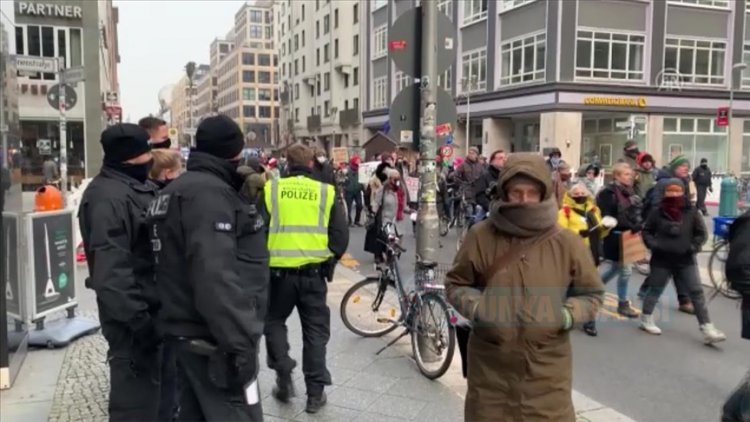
190 72
468 85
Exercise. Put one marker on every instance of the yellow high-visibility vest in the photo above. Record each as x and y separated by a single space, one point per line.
300 210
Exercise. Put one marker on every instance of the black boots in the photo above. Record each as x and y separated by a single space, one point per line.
284 389
316 402
590 329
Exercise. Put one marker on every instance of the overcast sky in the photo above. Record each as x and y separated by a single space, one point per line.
157 38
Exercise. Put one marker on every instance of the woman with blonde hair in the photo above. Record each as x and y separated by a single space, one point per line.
619 201
167 166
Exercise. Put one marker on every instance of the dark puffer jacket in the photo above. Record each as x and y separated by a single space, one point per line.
674 243
738 266
738 260
621 203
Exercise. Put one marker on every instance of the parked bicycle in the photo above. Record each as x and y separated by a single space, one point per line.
718 259
378 305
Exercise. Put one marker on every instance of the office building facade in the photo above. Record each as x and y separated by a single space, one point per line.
319 46
585 76
246 76
84 33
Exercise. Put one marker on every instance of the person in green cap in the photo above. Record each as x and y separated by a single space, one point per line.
678 168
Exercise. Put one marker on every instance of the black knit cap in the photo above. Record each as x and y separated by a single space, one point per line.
219 136
124 141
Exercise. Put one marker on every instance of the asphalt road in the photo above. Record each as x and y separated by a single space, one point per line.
672 377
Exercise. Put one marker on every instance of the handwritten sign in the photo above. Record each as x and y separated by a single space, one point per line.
366 170
412 185
340 155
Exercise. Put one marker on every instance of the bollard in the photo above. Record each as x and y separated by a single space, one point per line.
728 197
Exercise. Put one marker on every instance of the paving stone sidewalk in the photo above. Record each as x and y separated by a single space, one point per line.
366 387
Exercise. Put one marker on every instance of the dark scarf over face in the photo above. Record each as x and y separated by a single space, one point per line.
138 172
672 206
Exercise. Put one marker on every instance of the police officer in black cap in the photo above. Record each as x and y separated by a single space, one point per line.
121 272
212 276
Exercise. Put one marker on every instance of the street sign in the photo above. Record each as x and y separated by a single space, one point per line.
73 75
446 151
172 132
112 97
639 119
53 97
407 136
624 125
405 110
722 116
404 40
33 64
44 146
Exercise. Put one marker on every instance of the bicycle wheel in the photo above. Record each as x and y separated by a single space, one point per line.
716 264
433 337
371 308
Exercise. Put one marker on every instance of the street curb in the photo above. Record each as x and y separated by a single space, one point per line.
588 409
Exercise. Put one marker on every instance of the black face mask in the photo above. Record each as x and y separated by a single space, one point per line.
580 200
138 172
632 153
704 165
235 164
163 144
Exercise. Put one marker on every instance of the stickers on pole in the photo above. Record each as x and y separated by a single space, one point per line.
446 151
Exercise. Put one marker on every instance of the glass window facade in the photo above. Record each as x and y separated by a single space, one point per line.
699 62
603 140
522 60
745 166
31 157
474 66
696 138
606 55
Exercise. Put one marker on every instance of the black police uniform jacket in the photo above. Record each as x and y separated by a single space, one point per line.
112 219
212 269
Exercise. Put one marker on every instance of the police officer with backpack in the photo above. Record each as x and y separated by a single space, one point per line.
307 234
212 277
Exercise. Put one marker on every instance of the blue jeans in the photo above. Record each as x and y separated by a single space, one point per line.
623 272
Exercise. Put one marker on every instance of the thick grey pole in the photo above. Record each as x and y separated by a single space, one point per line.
427 219
63 131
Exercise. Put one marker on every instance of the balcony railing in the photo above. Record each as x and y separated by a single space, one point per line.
313 122
349 117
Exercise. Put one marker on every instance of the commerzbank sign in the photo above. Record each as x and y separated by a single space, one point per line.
615 101
51 10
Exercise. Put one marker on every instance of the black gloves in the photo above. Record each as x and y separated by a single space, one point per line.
145 337
584 233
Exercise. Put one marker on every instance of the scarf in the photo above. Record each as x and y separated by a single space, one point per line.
524 220
672 207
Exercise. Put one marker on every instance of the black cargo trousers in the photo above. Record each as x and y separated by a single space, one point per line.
134 376
306 289
205 390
